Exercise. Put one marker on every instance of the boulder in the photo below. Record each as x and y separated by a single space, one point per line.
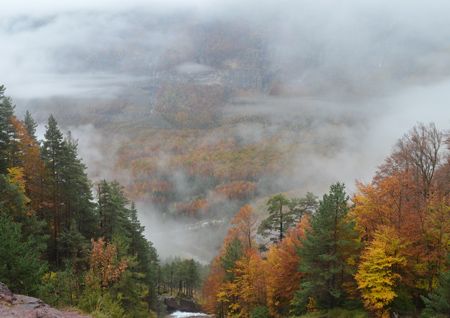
13 306
173 304
188 305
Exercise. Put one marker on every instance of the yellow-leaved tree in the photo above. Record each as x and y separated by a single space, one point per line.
378 272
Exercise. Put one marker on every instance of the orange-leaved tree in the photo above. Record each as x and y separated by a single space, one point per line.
244 227
249 287
409 194
105 268
219 289
25 154
235 275
283 276
212 287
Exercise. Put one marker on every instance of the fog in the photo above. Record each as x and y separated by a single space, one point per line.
377 66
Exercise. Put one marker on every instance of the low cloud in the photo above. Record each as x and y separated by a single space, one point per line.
353 76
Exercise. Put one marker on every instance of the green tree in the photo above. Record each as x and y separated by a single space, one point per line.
300 207
233 253
20 264
30 124
260 312
285 213
135 228
13 200
150 263
438 303
69 187
145 269
112 210
188 276
22 239
71 243
323 252
6 130
14 203
52 153
279 219
76 191
131 288
116 220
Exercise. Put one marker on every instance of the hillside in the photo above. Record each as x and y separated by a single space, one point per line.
265 159
198 117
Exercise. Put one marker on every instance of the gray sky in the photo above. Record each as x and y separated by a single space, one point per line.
362 35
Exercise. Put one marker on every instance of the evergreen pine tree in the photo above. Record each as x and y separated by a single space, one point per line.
76 190
322 252
279 219
284 214
151 265
233 253
136 229
6 130
192 277
20 266
116 220
70 190
438 303
15 204
300 207
71 243
52 153
12 200
143 250
114 216
31 125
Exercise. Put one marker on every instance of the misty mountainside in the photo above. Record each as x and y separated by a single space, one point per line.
197 114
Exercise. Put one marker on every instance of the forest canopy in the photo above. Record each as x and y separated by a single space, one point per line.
69 241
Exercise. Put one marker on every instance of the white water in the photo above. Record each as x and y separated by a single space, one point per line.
180 314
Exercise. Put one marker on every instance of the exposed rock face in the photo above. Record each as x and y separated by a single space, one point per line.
187 305
173 304
28 307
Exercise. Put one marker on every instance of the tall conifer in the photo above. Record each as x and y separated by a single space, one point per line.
279 219
6 130
52 150
30 124
322 252
76 190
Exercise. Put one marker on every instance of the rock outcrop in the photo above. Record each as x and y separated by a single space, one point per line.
174 304
28 307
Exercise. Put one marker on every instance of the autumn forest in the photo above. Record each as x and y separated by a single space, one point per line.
384 249
285 161
380 251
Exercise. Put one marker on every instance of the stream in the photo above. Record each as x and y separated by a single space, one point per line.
182 314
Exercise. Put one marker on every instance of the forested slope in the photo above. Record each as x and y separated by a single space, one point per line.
222 110
58 242
207 121
382 252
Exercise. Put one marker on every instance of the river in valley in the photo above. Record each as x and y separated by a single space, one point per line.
182 314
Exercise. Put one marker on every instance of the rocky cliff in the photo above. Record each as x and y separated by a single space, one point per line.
12 305
174 304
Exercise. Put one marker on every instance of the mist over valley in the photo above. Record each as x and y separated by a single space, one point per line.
200 109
